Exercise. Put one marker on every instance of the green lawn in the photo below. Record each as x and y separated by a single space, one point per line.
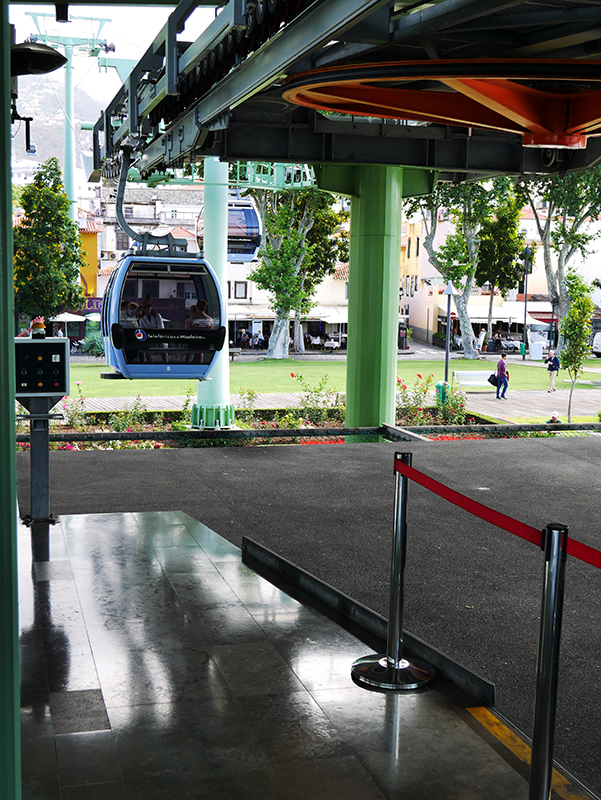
273 377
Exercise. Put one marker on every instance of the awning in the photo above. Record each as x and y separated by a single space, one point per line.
333 315
499 314
249 311
330 314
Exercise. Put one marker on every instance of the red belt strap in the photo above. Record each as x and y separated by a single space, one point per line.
574 548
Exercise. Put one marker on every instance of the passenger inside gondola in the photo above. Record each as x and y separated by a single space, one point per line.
149 317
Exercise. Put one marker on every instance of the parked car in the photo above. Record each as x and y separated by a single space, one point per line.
597 345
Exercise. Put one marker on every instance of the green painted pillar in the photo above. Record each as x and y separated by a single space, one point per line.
69 154
10 759
213 408
376 193
374 279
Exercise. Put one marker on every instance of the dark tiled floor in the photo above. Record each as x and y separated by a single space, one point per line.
156 665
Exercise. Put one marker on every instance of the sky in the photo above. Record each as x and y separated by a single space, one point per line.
131 30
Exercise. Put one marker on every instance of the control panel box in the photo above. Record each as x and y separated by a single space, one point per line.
42 367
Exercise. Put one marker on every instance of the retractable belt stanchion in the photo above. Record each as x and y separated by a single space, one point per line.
384 672
554 544
392 671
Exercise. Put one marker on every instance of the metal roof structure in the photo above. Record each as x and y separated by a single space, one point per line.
455 86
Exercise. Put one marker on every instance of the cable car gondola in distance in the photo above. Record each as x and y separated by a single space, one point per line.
243 229
163 317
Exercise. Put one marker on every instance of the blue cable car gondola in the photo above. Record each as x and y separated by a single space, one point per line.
243 229
163 317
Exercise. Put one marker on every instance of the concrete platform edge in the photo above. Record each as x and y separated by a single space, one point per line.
271 566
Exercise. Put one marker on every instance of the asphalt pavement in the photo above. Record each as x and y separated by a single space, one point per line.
472 590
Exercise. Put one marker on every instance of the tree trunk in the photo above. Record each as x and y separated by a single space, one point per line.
298 340
279 341
490 306
570 400
467 332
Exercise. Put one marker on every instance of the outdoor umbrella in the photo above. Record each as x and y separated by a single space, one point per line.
67 316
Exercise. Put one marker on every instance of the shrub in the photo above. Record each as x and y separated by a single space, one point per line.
74 409
411 403
291 419
185 420
452 410
246 411
93 345
317 401
133 417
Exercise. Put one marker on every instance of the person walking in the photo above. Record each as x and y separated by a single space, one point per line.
552 363
502 378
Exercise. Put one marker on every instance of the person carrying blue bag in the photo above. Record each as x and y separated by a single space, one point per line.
502 378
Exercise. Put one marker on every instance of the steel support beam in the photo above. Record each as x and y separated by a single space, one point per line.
215 393
375 269
10 760
297 41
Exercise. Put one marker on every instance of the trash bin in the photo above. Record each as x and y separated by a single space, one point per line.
442 388
402 343
522 348
536 351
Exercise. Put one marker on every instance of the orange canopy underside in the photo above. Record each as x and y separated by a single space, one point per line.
552 103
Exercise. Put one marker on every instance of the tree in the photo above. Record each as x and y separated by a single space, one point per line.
48 254
575 329
500 245
570 203
293 259
17 191
326 250
469 206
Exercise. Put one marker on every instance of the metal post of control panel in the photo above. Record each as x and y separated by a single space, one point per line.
42 379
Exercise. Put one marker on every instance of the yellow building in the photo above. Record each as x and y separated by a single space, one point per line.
89 230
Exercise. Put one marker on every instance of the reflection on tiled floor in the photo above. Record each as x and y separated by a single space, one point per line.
156 665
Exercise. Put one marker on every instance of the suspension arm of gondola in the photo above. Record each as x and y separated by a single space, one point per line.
167 241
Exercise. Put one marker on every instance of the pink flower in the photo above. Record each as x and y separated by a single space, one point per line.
78 383
292 375
404 387
419 376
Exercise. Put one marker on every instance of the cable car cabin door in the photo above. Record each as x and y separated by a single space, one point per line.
163 317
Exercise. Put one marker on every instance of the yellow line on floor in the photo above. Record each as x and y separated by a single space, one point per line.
520 749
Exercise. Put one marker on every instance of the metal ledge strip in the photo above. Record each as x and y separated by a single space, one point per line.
289 576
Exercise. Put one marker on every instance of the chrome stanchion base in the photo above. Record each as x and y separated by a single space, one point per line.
374 672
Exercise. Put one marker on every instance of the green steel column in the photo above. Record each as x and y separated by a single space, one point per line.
374 278
69 155
213 398
10 759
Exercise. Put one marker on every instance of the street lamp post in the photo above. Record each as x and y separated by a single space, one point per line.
450 291
527 259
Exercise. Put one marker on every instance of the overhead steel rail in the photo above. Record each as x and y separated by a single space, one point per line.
222 94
